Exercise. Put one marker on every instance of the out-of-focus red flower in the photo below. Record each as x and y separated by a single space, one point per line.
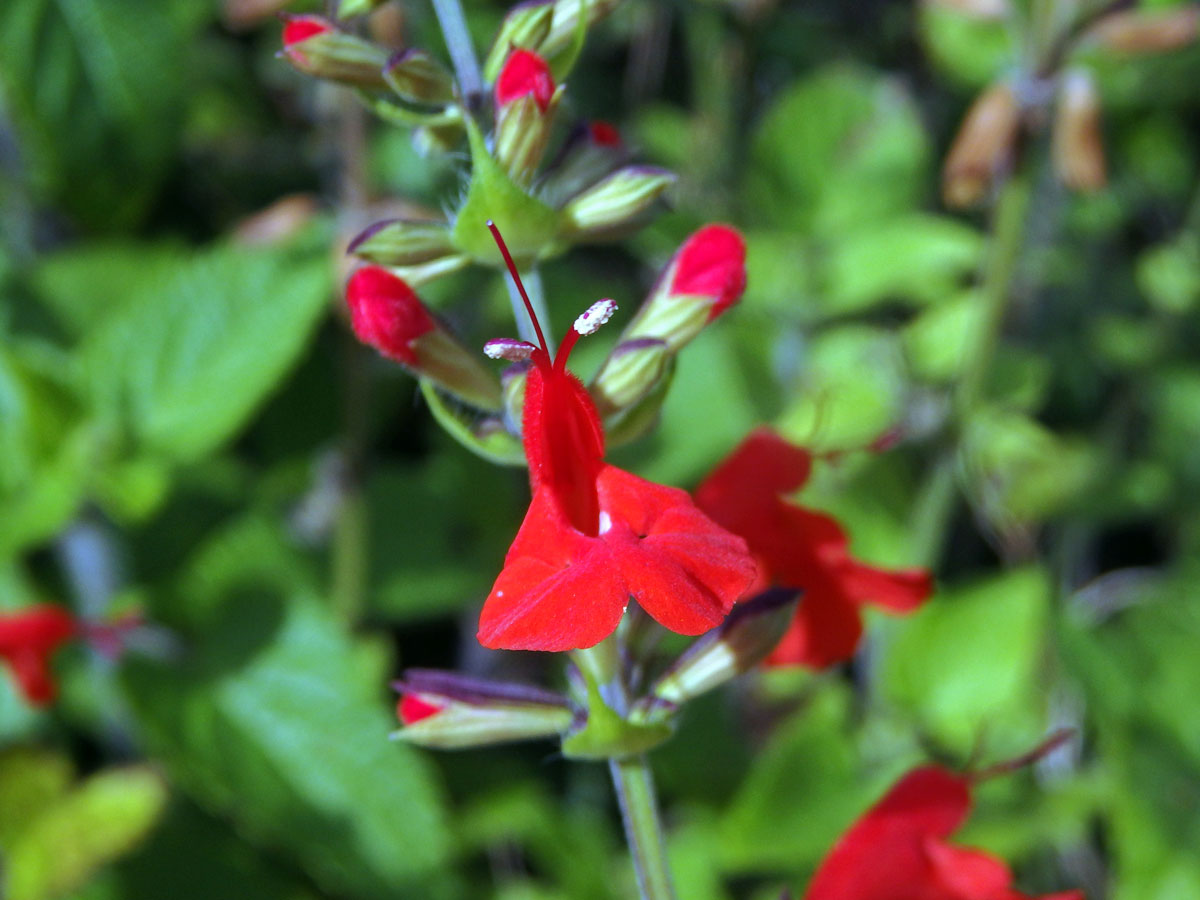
712 263
604 134
386 313
28 638
595 536
800 548
525 74
898 849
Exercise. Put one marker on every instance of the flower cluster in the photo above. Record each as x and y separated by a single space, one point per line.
586 191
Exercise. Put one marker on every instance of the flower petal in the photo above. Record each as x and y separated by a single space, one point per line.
559 589
824 632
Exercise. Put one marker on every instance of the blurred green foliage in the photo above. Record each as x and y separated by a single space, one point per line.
280 503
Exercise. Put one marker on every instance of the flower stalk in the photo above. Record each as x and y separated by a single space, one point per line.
634 785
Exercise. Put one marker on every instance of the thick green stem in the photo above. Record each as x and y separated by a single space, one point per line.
639 811
935 505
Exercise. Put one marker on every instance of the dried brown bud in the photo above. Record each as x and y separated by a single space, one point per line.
984 146
1078 146
1148 31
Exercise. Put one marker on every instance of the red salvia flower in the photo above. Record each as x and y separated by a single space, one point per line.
801 548
898 849
596 536
712 263
28 638
386 313
525 74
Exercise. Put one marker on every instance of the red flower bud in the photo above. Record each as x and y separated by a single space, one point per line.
412 708
525 74
28 638
712 263
298 29
386 313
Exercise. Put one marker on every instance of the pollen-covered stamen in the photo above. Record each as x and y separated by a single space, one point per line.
595 316
509 348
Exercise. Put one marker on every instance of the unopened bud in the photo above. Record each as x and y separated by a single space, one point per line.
524 28
314 46
617 203
1078 146
447 711
741 642
565 24
631 371
590 152
397 242
387 314
983 147
419 78
1148 31
526 98
706 277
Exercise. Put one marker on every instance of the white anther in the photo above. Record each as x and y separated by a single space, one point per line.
508 348
595 316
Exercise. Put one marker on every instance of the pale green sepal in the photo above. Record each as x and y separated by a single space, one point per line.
460 726
463 424
422 273
419 78
411 118
606 735
618 202
627 425
403 243
528 225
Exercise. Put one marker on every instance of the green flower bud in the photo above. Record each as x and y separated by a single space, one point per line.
526 100
419 78
448 711
632 371
525 27
741 642
398 242
618 203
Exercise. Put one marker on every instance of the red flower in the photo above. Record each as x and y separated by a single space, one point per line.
525 74
712 263
595 536
898 850
804 549
386 313
28 638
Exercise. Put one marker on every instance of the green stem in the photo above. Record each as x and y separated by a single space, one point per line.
936 502
462 51
634 785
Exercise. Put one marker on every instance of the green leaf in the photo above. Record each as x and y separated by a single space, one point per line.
852 390
275 705
935 342
918 258
187 360
971 51
838 150
805 788
969 662
73 832
81 286
97 91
